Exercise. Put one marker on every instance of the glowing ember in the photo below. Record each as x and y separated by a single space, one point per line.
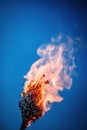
47 76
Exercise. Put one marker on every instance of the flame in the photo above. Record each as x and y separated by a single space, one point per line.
51 73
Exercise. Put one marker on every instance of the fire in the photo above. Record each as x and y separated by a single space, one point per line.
46 77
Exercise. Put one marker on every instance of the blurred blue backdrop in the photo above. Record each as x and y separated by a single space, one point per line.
24 25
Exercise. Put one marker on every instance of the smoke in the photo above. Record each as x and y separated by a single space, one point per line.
47 76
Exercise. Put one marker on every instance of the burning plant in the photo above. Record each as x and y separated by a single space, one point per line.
47 76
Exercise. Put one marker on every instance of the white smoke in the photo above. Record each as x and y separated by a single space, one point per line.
57 62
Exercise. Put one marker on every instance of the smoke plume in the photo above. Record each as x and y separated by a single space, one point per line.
51 73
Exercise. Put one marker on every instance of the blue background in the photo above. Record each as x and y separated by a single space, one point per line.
24 25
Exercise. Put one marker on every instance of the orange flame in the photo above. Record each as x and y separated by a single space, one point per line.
51 73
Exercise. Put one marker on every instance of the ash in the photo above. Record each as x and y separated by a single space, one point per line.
29 110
